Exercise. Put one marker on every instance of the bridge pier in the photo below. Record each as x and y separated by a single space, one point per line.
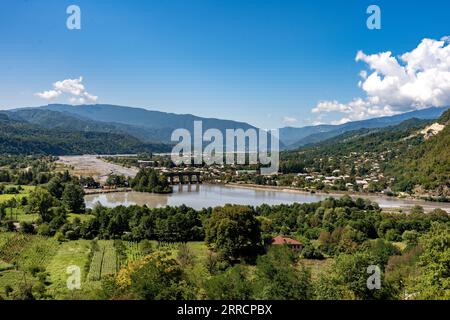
192 177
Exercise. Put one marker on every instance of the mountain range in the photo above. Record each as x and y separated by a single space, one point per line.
144 124
21 137
146 130
296 137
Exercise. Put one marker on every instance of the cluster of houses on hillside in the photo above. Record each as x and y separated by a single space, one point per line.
355 171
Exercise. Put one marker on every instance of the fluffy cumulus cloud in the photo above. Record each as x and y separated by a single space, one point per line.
74 89
414 80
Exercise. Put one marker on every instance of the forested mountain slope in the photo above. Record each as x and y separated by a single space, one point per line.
298 137
427 164
19 137
406 157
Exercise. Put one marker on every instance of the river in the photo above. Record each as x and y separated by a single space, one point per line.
207 195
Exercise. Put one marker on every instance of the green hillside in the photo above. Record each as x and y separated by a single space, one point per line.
426 164
18 137
398 157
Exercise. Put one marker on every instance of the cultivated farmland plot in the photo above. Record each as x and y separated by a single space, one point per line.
104 261
27 251
95 269
110 261
132 251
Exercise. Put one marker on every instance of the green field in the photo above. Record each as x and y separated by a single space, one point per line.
83 217
23 193
104 261
20 253
71 253
23 217
26 251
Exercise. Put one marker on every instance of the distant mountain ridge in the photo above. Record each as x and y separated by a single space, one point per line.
146 125
22 137
156 126
296 137
67 121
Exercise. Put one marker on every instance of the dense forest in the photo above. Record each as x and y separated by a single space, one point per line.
18 137
426 164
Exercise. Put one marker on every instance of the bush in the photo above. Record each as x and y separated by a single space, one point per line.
59 236
392 235
411 237
71 235
26 227
311 252
44 230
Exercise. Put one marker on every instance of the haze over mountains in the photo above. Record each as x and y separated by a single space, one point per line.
296 137
153 129
144 124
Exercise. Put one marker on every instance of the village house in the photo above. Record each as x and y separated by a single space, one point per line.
291 243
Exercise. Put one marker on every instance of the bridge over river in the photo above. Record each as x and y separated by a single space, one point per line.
182 177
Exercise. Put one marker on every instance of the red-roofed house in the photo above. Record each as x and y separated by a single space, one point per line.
291 243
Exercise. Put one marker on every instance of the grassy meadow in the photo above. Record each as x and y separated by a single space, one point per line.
21 255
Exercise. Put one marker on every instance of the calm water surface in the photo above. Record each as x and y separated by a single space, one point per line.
203 196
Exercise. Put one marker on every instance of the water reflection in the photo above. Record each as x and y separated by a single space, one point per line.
202 196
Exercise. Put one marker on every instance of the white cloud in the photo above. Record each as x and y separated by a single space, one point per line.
48 95
341 121
289 120
415 80
73 88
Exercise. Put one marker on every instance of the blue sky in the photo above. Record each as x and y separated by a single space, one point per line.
264 62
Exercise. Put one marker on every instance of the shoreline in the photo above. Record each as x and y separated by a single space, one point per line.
102 191
426 205
322 193
333 193
393 205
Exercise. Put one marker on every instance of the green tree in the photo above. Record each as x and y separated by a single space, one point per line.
40 201
233 284
160 278
149 180
434 280
411 237
73 198
277 277
55 187
234 231
347 279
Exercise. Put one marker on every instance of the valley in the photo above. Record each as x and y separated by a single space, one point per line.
224 158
